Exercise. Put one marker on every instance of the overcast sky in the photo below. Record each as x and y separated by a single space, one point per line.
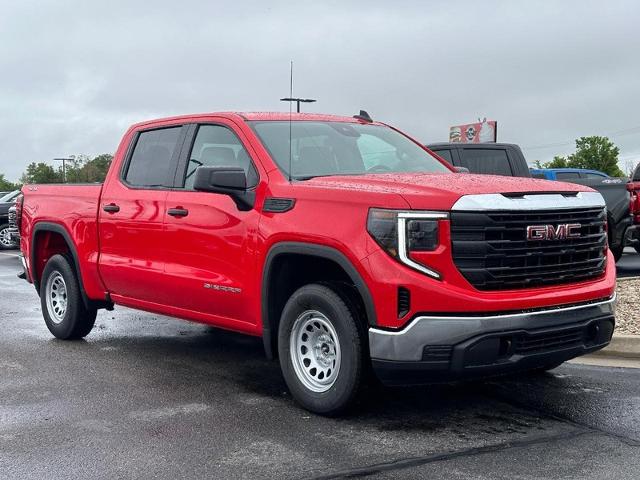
74 75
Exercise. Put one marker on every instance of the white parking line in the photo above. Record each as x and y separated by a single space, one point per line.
10 254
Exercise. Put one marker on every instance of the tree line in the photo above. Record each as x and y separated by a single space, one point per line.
593 153
77 169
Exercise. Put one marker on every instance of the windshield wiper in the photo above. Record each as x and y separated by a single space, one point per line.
309 177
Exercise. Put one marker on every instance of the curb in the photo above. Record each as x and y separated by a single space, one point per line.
621 346
628 278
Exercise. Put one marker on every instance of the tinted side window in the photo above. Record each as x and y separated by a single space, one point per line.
491 161
567 175
446 154
218 146
594 175
150 164
539 175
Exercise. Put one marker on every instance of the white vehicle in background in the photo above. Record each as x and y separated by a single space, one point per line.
6 237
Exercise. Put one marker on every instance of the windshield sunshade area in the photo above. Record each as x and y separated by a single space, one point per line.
340 148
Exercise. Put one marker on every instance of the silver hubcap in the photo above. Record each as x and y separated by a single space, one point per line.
56 293
5 239
315 351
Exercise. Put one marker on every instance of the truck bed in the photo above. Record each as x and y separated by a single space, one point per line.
74 209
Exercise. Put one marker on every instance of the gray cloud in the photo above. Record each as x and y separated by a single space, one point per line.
76 74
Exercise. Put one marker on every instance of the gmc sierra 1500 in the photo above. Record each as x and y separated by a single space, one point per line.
340 241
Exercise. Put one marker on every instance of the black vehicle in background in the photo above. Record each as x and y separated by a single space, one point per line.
507 159
6 238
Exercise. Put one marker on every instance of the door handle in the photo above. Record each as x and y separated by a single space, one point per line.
178 212
111 208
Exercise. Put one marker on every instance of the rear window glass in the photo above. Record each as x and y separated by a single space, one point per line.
150 164
567 175
489 161
446 154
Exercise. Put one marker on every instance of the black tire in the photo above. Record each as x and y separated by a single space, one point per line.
617 252
4 244
351 344
75 320
637 248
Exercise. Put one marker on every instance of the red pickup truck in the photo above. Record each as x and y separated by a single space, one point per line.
345 244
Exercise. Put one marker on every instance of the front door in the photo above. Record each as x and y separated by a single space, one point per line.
210 243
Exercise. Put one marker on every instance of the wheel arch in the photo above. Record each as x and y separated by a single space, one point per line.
269 310
42 228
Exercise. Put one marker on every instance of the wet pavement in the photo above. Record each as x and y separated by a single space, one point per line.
629 264
146 396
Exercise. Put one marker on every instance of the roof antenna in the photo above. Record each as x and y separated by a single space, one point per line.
364 116
290 122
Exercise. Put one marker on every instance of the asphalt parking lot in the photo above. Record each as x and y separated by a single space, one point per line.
629 264
151 397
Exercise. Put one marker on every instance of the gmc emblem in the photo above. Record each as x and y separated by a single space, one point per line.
549 232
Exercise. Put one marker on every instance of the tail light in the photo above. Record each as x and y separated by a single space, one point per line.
634 200
19 204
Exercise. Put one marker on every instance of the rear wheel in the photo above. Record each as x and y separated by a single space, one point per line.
6 242
63 308
321 349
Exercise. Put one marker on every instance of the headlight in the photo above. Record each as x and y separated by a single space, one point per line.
400 232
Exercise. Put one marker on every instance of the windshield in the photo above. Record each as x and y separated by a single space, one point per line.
9 197
339 148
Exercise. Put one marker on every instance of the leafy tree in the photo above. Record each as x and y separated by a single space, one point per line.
6 185
557 162
95 170
596 153
41 173
78 169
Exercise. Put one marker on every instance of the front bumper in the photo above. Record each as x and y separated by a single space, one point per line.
14 235
632 236
24 274
438 348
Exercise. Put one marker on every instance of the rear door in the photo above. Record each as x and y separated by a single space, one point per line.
210 243
132 213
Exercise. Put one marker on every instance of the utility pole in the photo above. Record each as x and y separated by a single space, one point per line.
298 101
64 167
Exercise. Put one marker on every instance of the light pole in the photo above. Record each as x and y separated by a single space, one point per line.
64 167
298 101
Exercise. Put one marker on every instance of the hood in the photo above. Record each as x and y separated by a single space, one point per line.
438 191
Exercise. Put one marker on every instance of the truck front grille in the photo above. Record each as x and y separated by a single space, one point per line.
491 249
12 219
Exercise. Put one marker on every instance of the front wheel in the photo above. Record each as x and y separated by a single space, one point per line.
321 349
63 307
6 242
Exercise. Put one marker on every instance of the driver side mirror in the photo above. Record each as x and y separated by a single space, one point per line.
230 181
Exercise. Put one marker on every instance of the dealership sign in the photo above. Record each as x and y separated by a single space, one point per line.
480 132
